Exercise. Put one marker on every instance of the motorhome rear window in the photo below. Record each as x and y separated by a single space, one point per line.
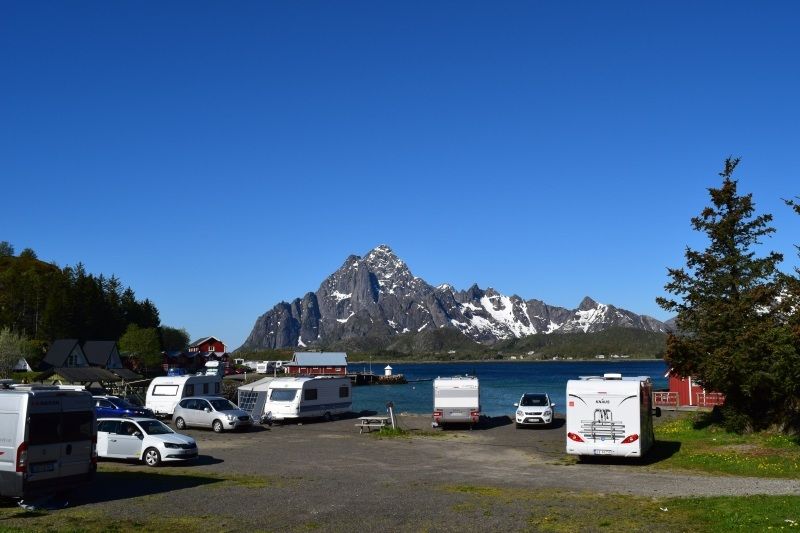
282 395
344 392
52 428
310 394
456 393
165 390
205 388
216 387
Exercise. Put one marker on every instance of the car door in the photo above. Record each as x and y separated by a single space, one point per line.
204 418
104 408
124 443
191 412
104 429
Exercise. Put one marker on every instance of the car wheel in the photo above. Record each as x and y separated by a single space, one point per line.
217 426
152 457
180 423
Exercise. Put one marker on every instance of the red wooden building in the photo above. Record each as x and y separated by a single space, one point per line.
207 345
317 364
686 391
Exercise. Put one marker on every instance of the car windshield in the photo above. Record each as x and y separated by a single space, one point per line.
154 427
222 405
282 395
534 400
123 404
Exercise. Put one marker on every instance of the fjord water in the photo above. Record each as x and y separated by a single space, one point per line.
501 383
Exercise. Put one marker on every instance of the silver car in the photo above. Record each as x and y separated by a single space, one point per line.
211 412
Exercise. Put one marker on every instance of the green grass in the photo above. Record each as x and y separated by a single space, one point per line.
709 448
565 511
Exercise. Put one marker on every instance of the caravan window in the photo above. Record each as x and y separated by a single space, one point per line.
216 387
165 390
188 390
205 388
282 395
344 392
310 394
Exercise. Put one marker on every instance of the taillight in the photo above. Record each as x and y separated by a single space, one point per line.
574 436
22 457
630 438
437 414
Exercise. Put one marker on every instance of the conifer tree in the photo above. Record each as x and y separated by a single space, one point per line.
731 335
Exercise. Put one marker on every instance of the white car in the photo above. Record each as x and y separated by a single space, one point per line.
142 439
534 409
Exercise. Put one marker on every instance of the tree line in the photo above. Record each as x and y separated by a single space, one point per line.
41 302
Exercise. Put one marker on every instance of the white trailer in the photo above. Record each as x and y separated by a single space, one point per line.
48 439
165 392
456 400
610 415
307 397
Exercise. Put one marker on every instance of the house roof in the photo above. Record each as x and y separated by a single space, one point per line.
198 342
319 359
58 352
83 374
98 352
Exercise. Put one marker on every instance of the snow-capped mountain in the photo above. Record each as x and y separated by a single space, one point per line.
378 296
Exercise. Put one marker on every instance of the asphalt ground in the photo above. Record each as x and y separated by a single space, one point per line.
325 475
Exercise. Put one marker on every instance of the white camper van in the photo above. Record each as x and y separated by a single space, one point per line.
610 415
456 400
306 397
48 439
165 392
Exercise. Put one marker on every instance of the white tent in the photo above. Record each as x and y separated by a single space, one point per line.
22 366
253 396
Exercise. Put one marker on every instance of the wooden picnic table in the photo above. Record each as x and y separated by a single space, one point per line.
370 422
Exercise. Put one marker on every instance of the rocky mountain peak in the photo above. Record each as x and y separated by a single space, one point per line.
587 304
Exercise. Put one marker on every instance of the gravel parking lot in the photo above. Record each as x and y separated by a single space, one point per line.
327 475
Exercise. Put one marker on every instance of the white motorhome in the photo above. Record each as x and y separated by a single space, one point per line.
610 415
48 439
306 397
456 400
165 392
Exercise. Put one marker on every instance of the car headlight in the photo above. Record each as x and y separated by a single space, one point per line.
231 417
170 445
548 412
519 412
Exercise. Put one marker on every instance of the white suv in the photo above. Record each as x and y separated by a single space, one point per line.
142 439
534 409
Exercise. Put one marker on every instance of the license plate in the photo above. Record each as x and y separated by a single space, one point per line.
456 414
602 452
42 467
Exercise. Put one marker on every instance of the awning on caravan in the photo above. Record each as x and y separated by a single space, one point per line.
253 396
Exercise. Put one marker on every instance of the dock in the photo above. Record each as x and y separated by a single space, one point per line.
369 378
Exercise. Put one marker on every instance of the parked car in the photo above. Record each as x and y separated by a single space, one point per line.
106 406
216 413
142 439
534 409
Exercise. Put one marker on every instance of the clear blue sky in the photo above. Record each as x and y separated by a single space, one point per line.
220 157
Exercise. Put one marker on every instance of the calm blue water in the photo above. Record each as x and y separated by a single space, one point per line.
501 383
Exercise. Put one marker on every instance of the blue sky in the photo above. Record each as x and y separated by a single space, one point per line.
222 157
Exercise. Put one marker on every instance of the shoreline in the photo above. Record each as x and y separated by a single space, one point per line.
499 361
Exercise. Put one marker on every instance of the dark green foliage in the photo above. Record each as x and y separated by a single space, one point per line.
142 344
733 336
42 301
632 342
174 339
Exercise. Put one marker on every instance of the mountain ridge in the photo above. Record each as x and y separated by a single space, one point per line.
377 297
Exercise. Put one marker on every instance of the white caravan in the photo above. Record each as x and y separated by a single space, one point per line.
165 392
610 415
456 400
306 397
48 439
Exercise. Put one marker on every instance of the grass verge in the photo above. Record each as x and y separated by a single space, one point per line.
709 448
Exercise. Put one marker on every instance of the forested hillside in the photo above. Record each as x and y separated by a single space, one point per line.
45 302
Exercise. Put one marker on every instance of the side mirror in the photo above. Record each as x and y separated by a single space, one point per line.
552 405
516 405
207 409
138 435
657 411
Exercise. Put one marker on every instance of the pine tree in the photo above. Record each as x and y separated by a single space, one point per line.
731 334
